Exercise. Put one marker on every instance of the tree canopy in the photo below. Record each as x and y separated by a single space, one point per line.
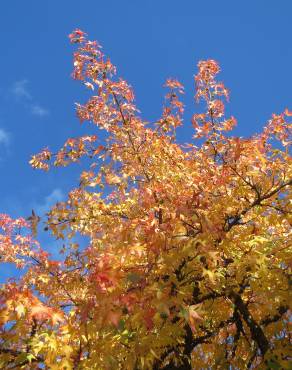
185 257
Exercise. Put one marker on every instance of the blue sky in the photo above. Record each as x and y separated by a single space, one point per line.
148 41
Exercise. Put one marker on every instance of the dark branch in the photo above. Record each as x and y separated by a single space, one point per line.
269 320
256 331
236 220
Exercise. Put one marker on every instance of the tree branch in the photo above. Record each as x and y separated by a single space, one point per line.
256 331
235 220
269 320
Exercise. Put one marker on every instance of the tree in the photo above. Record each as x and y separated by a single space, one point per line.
187 257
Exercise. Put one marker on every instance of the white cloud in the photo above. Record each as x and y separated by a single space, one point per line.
55 196
39 111
4 137
21 92
19 89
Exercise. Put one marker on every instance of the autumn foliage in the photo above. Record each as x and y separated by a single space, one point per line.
184 261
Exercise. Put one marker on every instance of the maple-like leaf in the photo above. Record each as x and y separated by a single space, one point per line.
173 256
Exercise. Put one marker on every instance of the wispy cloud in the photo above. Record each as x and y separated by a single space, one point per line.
55 196
22 94
39 111
4 137
20 90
